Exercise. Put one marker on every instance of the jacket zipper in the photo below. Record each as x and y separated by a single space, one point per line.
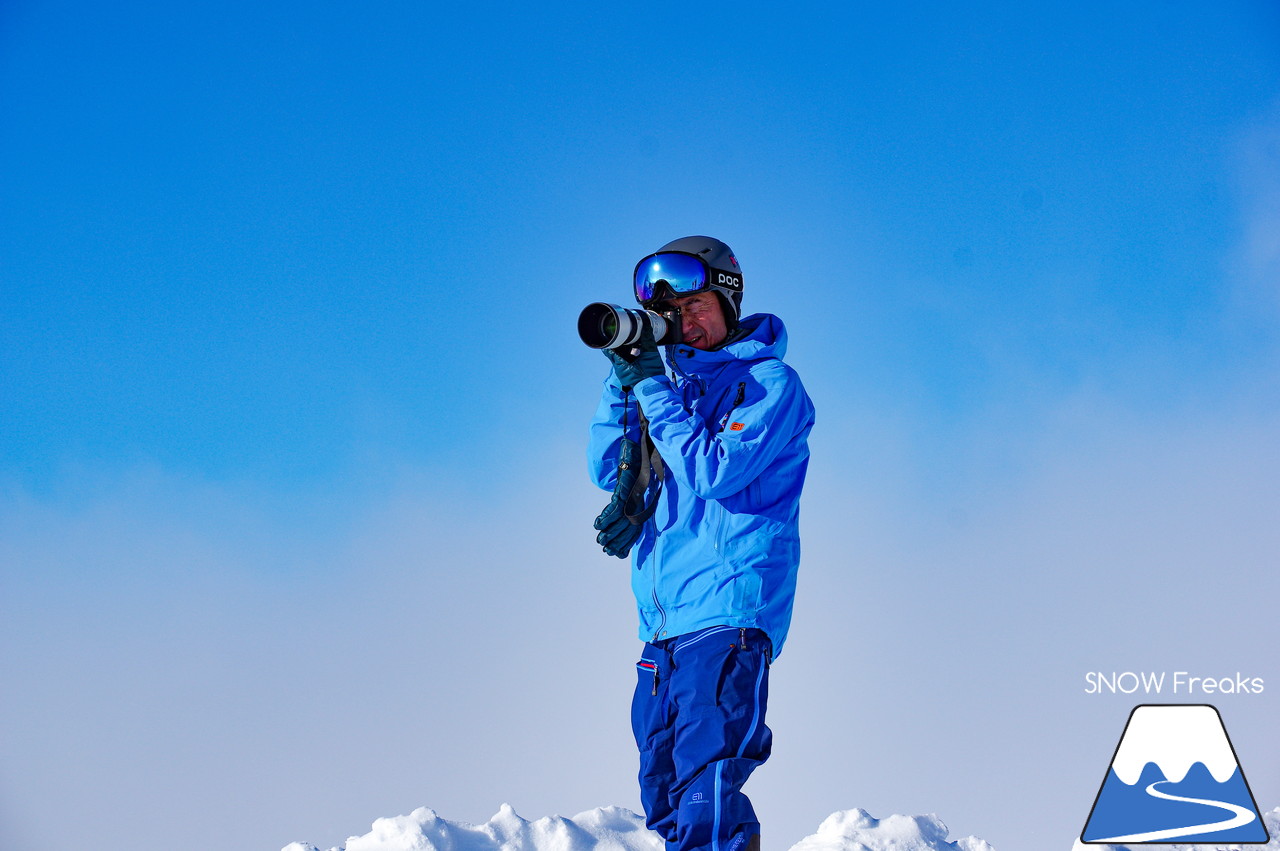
737 400
697 383
662 613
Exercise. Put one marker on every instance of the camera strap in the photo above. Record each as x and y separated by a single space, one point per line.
635 508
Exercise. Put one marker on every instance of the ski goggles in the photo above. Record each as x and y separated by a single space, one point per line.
674 271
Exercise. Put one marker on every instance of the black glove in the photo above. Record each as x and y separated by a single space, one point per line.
631 368
617 533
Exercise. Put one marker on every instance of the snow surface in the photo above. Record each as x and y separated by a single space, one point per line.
618 829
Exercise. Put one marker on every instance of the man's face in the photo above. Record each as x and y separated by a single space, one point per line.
702 321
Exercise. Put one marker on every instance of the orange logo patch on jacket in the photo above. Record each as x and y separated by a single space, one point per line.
737 426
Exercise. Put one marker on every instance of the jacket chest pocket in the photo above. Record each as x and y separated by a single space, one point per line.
739 394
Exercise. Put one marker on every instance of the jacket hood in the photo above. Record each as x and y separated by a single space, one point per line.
759 336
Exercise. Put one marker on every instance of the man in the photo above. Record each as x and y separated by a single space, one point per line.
717 548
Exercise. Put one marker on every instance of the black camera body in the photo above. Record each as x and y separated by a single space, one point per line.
609 326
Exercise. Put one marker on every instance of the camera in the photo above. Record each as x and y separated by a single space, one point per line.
608 326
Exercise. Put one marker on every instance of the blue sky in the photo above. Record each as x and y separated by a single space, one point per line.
294 523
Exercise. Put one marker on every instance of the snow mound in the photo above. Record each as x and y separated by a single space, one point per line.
856 830
601 829
1270 819
618 829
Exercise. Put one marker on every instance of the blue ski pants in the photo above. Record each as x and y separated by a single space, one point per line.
698 718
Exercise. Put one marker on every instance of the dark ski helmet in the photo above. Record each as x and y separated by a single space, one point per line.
722 275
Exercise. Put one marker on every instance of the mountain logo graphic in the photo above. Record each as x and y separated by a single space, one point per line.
1174 777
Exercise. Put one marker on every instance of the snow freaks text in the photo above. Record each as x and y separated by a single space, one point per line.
1177 683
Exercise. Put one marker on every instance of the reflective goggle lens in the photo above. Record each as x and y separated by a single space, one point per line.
683 273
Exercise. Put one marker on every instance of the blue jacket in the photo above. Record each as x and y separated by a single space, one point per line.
732 426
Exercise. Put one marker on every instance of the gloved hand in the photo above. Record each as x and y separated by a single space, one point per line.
632 369
617 533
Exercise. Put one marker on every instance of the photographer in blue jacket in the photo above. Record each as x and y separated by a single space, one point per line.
706 456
